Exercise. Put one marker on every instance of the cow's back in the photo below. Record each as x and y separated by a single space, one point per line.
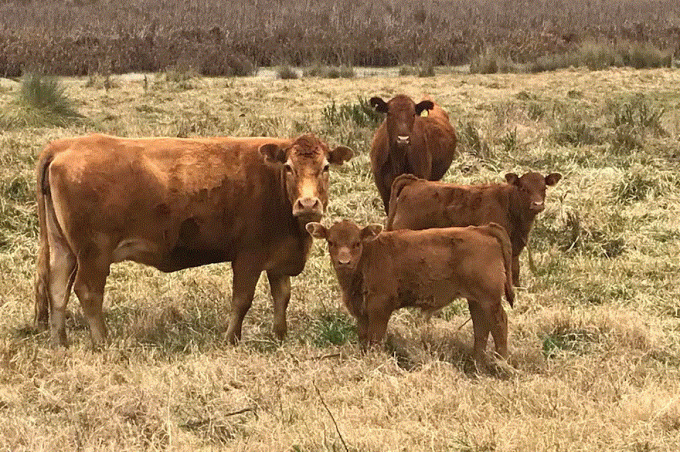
425 204
441 140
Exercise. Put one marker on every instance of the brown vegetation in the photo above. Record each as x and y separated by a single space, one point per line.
231 37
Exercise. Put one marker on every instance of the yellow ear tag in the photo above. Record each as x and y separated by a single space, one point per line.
425 113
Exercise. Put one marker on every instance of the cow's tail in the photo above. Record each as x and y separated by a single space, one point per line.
397 186
502 236
42 281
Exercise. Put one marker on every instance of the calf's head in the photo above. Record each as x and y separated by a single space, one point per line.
305 169
530 190
401 114
345 241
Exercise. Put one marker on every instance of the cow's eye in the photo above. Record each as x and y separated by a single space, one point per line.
326 168
355 245
288 168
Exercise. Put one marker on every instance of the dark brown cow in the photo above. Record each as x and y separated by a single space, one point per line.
381 272
176 203
409 143
420 204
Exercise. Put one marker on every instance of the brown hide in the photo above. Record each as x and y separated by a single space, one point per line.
176 203
421 204
381 272
407 143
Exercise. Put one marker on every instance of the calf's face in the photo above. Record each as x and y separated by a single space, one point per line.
306 167
345 241
531 189
401 114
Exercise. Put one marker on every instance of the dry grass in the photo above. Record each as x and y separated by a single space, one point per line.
232 37
594 336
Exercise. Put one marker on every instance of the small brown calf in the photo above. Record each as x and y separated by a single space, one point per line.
382 272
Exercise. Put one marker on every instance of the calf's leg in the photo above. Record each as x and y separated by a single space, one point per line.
280 288
498 321
378 310
481 327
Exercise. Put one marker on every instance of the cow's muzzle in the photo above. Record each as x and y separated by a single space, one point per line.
403 140
308 209
537 206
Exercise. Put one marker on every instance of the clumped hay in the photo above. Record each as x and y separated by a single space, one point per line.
594 342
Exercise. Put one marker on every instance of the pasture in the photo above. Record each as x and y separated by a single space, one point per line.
594 336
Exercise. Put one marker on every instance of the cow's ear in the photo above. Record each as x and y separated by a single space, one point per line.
371 231
552 178
273 153
424 105
512 178
378 104
339 155
316 230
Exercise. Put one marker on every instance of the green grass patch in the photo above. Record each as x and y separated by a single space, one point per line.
332 328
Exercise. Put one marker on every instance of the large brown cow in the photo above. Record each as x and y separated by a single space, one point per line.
381 272
409 143
420 204
176 203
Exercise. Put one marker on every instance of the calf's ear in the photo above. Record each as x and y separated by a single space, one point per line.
552 178
512 178
378 104
371 231
316 230
340 154
273 153
424 105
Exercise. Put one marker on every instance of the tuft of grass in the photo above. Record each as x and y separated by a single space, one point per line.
472 140
286 73
41 102
360 114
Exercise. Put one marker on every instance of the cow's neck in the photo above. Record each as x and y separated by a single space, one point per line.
351 285
398 157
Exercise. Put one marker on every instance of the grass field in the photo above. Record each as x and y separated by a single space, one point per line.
594 335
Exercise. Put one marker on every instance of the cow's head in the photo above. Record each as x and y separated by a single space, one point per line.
345 241
305 169
531 190
401 114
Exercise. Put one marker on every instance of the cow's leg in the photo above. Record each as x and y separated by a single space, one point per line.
58 275
379 310
515 269
362 330
498 321
280 288
384 184
480 326
93 268
246 274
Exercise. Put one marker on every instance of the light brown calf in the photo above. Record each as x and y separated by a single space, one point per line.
382 272
421 204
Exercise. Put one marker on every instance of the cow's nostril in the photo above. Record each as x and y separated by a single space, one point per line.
307 204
